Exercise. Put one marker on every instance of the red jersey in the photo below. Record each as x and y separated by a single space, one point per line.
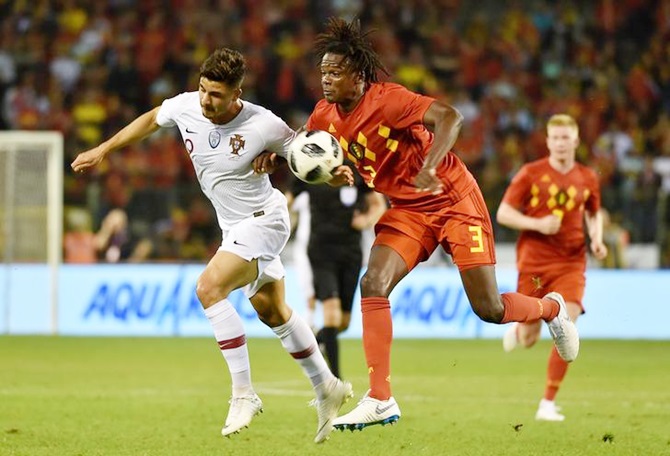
385 138
538 190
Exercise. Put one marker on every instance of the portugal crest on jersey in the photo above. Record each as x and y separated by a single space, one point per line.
236 144
214 139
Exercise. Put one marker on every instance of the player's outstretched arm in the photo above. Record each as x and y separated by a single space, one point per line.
139 128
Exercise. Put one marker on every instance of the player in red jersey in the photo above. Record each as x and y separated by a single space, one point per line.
400 142
549 200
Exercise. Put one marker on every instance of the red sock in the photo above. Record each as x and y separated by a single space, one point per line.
377 337
521 308
556 371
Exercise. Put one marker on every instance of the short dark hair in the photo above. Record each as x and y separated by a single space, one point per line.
346 39
224 65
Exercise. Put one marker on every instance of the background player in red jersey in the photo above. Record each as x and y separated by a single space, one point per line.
549 200
400 142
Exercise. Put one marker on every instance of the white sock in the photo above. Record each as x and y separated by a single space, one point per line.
299 341
229 333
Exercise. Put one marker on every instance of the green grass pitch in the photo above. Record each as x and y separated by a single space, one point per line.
168 396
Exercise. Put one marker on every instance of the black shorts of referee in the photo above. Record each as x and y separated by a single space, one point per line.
336 272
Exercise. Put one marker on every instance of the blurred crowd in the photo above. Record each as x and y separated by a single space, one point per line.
88 67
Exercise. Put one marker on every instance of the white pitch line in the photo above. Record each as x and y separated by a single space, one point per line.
283 392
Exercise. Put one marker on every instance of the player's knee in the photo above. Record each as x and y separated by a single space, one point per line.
210 291
205 292
344 323
374 284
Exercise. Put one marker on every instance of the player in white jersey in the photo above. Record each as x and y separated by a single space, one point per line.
223 134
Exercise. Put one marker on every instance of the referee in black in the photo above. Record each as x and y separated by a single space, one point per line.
338 217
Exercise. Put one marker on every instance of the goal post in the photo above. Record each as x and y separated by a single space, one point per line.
31 215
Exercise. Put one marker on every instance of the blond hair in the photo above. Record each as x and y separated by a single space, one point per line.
563 120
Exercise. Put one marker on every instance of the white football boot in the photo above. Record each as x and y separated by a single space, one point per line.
368 412
338 392
242 410
511 338
563 330
548 411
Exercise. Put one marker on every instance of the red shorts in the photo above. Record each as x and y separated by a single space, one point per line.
568 280
464 230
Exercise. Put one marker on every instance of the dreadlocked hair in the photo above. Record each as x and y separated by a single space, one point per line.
346 39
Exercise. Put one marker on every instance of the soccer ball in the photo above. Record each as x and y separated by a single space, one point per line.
314 155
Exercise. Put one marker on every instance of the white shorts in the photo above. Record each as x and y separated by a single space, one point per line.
262 236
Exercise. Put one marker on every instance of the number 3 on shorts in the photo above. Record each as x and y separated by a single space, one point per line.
476 231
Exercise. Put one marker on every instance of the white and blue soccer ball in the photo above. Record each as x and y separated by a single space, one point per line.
314 155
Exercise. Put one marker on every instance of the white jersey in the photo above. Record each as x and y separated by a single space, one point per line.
222 155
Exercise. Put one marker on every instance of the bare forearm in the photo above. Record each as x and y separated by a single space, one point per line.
594 225
445 122
520 222
446 133
138 129
376 208
514 219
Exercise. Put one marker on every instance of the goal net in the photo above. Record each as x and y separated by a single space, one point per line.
31 221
